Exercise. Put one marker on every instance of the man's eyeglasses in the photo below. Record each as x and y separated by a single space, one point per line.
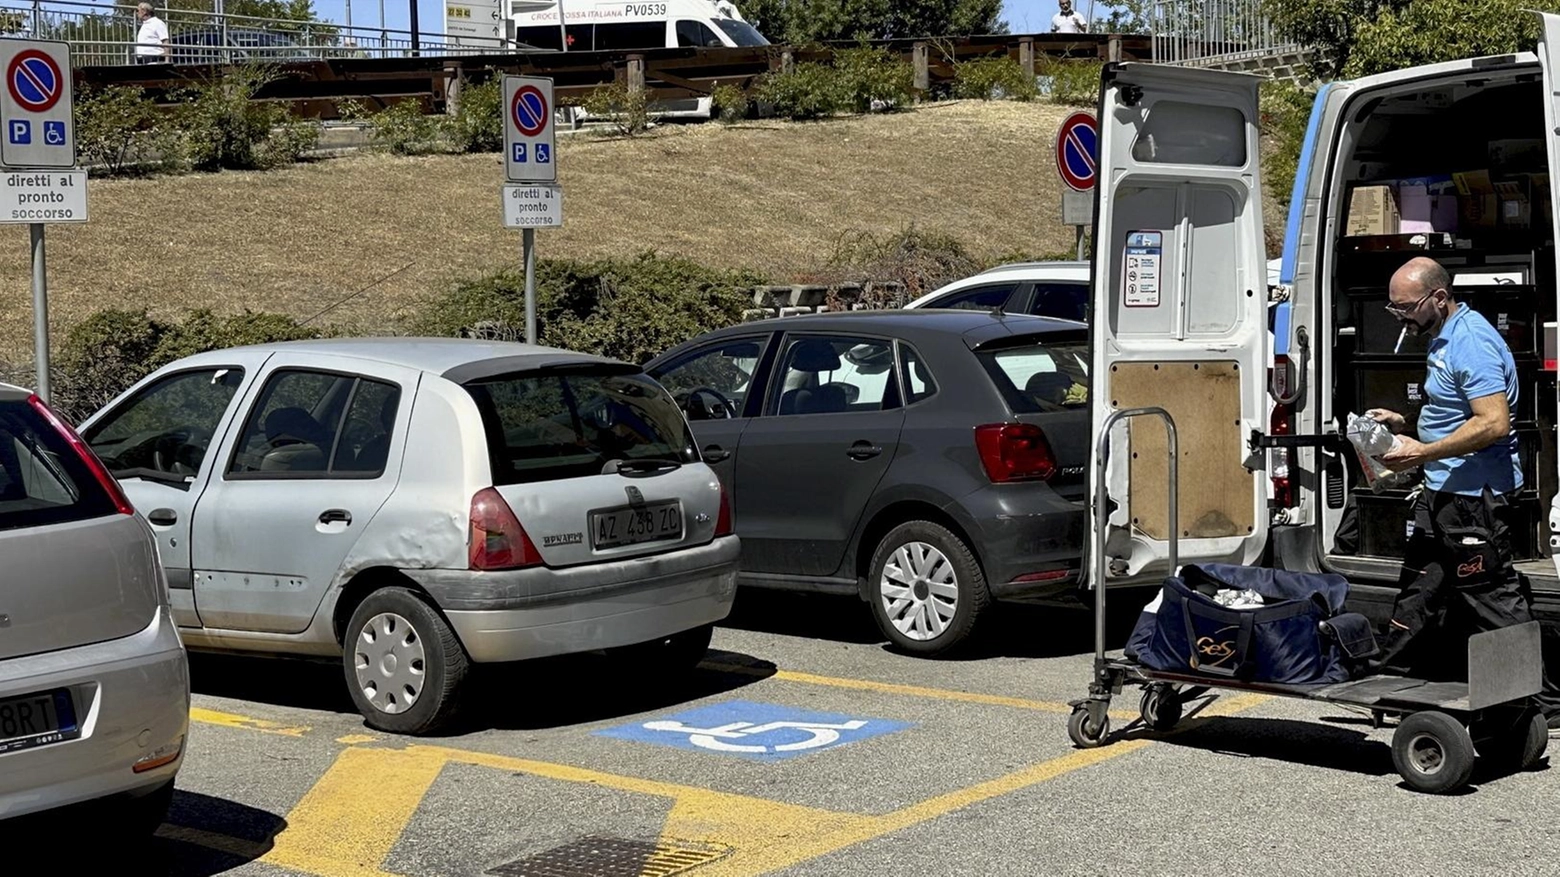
1401 311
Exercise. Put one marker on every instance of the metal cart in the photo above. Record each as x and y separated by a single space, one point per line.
1443 727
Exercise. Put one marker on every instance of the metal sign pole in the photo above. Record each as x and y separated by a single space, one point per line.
563 30
1080 242
40 293
528 251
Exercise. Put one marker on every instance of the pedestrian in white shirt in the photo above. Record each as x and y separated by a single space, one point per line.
1068 20
151 41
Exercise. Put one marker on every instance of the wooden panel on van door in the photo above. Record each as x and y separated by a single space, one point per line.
1204 399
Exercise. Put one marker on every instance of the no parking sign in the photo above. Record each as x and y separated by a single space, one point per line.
1077 151
36 107
528 130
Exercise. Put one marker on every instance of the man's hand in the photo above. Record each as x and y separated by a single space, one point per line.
1392 419
1408 454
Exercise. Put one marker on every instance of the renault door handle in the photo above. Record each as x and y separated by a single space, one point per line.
331 516
863 451
716 454
163 517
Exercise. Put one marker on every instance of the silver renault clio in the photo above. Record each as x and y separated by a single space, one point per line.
415 506
94 683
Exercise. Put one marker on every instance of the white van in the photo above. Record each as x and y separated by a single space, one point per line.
629 25
1181 319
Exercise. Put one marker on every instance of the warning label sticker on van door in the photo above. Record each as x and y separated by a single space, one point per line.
1140 280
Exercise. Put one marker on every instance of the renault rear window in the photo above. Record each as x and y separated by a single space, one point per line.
1035 378
572 424
42 478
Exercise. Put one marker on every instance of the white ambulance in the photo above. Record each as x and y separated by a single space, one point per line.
628 25
1451 161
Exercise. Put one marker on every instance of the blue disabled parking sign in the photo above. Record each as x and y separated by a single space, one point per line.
757 731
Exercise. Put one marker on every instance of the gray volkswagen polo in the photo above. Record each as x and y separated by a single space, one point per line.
94 682
932 462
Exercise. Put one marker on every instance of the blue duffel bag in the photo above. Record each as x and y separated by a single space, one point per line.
1300 636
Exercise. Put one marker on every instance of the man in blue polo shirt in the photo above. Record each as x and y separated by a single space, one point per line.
1459 556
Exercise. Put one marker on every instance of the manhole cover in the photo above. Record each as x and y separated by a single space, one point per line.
595 856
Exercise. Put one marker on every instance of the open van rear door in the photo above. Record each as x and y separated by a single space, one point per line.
1179 316
1549 59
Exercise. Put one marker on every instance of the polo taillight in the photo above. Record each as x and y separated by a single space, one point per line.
1014 452
497 541
723 521
88 458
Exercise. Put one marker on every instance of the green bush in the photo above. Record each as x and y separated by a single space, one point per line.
631 309
626 110
730 103
404 129
120 129
917 259
1073 83
993 79
806 91
873 78
478 123
223 125
110 350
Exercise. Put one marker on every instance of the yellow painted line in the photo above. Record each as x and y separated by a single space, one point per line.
1044 706
348 823
230 720
355 739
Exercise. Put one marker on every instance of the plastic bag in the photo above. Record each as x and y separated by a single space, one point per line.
1371 438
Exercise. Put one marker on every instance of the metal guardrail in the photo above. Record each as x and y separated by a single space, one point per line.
104 34
1199 32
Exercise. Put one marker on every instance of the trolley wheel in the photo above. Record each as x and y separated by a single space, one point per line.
1160 708
1433 752
1520 746
1084 731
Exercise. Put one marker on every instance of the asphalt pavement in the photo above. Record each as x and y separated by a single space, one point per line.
804 746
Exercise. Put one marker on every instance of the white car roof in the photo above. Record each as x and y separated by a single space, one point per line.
1037 271
433 355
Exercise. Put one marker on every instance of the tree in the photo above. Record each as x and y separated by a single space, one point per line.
801 22
1361 37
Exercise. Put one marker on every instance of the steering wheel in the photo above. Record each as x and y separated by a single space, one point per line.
721 409
180 451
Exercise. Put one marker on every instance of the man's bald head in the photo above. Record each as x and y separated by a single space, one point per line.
1419 277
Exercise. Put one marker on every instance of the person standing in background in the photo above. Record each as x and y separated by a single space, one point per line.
1067 20
151 40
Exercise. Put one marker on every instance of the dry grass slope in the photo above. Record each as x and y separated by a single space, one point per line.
771 196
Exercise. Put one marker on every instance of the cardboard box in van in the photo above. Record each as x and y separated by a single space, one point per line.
1373 210
1478 206
1427 204
1516 208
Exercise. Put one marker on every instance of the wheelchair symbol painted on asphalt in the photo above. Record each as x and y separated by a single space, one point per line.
759 731
818 735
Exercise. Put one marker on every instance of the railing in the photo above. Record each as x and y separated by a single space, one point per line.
105 34
1212 31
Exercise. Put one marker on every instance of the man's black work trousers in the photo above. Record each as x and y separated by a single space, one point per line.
1457 577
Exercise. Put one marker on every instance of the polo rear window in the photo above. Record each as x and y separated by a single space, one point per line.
42 479
1035 378
571 424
